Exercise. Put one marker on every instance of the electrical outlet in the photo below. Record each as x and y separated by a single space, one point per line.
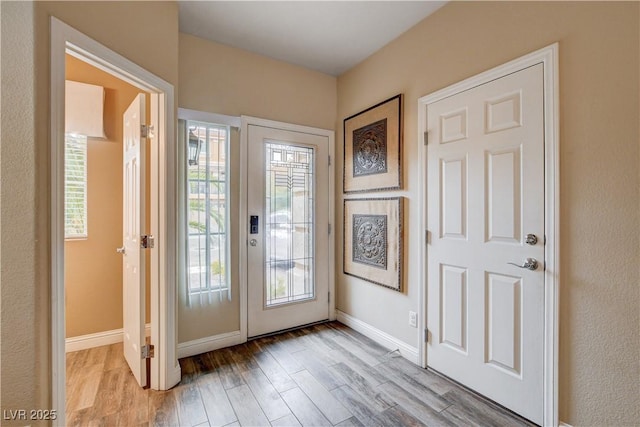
413 319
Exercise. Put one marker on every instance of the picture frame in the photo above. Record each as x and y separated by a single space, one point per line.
373 148
373 240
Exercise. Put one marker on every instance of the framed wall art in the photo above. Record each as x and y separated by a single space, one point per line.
373 148
373 240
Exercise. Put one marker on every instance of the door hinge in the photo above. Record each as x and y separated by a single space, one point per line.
147 351
329 229
146 131
427 236
147 241
426 137
329 160
328 296
426 336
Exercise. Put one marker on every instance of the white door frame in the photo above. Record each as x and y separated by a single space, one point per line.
244 223
165 370
547 56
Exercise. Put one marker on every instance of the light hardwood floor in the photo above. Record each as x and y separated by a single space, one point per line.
324 375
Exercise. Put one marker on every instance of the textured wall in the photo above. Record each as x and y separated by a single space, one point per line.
599 49
24 333
226 80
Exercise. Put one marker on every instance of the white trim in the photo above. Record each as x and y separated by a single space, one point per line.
547 56
165 370
98 339
56 111
214 118
245 122
214 342
243 224
384 339
332 222
561 424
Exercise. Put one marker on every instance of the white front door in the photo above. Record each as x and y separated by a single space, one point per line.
288 243
485 211
133 286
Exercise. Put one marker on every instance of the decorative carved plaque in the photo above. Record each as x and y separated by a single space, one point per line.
370 149
370 240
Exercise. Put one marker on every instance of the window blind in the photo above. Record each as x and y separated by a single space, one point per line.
75 187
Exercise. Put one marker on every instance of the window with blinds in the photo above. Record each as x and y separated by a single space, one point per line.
208 212
75 186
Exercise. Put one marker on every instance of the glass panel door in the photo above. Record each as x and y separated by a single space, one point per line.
287 251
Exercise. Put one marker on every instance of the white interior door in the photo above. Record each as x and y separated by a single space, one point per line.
288 244
133 287
485 211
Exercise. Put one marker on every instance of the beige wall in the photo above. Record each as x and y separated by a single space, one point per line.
24 165
93 269
224 80
599 50
23 291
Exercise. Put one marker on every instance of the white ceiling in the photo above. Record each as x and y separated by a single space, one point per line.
327 36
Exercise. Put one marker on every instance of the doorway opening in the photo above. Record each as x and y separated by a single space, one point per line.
94 212
164 367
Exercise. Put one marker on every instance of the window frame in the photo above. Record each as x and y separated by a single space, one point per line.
222 169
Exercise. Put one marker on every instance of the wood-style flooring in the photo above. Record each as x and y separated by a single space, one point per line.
323 375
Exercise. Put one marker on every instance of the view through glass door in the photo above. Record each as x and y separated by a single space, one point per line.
288 249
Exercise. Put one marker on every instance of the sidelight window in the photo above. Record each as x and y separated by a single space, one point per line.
207 208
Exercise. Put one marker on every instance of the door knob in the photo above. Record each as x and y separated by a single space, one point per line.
120 250
529 264
253 242
531 239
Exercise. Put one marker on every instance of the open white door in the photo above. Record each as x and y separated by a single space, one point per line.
133 224
486 204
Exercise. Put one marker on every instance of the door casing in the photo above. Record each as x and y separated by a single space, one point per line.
244 223
547 56
165 370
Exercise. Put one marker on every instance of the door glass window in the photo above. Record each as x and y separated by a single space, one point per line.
289 228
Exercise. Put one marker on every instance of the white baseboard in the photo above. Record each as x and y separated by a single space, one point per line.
561 424
83 342
203 345
384 339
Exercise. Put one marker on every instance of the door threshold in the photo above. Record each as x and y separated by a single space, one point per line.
282 331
